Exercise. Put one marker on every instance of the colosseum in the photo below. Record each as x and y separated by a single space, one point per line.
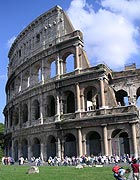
58 104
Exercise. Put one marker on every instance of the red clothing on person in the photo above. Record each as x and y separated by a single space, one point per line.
135 167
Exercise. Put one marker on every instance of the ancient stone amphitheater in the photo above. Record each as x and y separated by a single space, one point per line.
60 105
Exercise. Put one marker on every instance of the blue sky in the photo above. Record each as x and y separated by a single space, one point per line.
110 28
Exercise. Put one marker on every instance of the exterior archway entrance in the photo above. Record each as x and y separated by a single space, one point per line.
120 143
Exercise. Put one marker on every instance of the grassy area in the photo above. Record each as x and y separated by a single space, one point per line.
56 173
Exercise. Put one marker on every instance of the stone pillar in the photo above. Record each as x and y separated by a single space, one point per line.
77 57
134 140
11 149
102 105
57 117
42 151
58 148
82 102
29 150
84 144
79 142
109 147
62 149
29 111
42 71
105 143
41 109
78 97
19 149
61 66
57 66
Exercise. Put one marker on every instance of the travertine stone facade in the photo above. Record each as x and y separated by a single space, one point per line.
59 105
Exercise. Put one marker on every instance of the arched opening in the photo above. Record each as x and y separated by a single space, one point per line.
91 99
69 63
51 147
36 110
121 97
24 113
16 151
70 102
93 143
24 148
51 106
120 142
36 148
53 69
70 145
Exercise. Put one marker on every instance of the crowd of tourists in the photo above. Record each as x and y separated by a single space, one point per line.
71 161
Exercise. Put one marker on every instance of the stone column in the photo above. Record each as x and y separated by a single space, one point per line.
42 151
109 146
79 142
61 66
42 71
77 56
78 97
19 149
102 105
41 109
134 140
105 143
29 150
29 111
84 144
57 67
62 149
82 102
57 117
58 148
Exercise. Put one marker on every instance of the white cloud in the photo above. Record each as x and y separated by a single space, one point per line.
109 33
10 41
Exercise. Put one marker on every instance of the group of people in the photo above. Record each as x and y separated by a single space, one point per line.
119 172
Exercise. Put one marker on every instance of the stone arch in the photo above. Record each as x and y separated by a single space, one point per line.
16 150
93 143
50 106
120 142
26 79
68 62
24 113
35 110
24 148
121 97
70 145
69 102
36 147
91 98
36 73
51 146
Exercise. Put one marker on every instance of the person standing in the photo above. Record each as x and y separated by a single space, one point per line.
135 168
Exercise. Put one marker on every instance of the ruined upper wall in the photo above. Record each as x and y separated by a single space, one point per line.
45 31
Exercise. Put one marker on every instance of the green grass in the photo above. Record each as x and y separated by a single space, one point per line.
56 173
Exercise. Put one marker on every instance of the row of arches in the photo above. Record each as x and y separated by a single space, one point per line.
67 103
39 73
120 145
